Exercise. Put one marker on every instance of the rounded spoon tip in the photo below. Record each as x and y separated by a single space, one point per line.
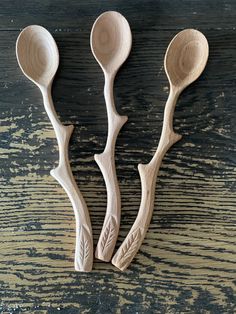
111 40
186 58
37 54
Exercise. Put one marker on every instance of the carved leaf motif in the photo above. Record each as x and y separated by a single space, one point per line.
109 234
83 247
130 247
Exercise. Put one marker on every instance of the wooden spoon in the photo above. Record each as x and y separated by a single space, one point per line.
38 57
111 42
185 59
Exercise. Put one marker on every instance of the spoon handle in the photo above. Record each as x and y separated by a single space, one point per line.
106 163
148 175
63 174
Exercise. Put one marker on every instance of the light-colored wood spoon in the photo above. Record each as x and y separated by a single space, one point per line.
38 57
111 42
185 59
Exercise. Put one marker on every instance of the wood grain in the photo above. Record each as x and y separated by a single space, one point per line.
38 58
111 42
185 59
187 261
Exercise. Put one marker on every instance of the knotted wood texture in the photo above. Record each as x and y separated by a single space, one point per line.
187 261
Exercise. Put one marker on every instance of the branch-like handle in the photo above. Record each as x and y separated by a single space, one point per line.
63 174
106 163
134 239
148 175
110 229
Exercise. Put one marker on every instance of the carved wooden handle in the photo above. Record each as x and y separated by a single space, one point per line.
84 243
134 239
110 229
148 174
106 163
83 249
63 174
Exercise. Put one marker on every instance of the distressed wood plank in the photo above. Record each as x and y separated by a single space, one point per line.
142 15
187 261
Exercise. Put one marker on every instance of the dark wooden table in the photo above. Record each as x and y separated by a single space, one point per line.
187 263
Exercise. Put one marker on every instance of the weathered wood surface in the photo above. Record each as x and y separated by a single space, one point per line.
187 263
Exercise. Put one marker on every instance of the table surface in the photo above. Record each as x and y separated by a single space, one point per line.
187 263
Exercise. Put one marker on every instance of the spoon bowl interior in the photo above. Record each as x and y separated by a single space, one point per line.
186 57
111 40
37 54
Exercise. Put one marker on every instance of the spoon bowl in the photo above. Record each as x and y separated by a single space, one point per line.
186 58
37 54
111 41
